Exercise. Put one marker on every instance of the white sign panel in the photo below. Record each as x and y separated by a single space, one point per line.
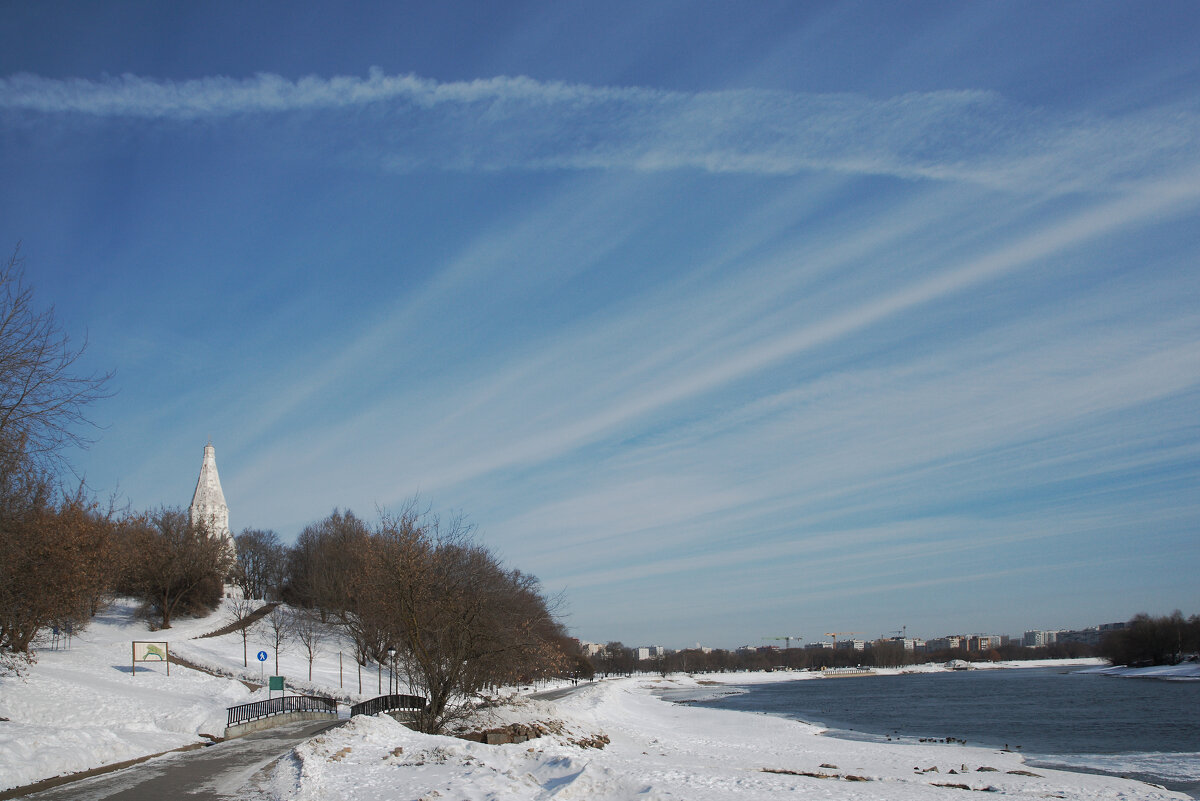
150 652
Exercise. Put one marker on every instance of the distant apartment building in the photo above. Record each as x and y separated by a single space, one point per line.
1089 636
591 648
952 642
1039 639
983 642
910 644
651 652
817 646
851 645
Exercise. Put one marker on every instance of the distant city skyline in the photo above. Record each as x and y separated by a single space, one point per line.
768 641
717 318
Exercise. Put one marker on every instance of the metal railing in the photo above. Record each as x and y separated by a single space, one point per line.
277 706
388 703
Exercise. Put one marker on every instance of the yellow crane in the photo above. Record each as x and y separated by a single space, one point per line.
836 634
788 637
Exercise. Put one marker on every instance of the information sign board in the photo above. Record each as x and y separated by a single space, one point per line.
150 652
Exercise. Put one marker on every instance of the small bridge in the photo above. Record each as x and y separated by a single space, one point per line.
259 715
389 703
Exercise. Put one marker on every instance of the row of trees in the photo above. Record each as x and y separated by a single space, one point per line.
62 557
411 590
417 591
53 560
280 626
52 549
1149 640
617 659
1145 640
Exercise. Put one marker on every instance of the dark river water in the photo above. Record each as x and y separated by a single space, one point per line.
1142 728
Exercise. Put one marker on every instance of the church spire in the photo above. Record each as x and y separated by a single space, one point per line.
208 503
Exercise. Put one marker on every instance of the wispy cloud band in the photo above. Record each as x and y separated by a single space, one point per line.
406 122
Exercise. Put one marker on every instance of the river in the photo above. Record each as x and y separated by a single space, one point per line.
1058 717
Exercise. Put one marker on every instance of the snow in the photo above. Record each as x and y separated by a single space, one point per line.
1184 671
661 750
1181 768
81 707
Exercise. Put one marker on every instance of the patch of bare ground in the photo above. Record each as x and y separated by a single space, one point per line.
848 777
522 732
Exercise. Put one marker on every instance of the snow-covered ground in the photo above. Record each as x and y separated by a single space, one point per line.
81 707
1185 671
661 750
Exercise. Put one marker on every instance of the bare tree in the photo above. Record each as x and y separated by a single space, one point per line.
177 566
327 572
278 628
42 397
261 559
1146 640
460 620
54 564
240 611
53 552
309 632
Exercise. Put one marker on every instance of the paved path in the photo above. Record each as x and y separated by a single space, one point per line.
562 692
220 771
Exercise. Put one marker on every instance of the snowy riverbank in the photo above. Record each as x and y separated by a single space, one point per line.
81 707
1185 671
662 750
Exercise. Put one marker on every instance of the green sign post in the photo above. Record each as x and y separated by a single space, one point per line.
276 684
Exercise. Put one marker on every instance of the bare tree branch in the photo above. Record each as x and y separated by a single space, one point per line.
43 399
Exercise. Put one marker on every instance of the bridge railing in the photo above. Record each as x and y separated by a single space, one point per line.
277 706
388 703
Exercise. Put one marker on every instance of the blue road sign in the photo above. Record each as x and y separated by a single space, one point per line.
262 656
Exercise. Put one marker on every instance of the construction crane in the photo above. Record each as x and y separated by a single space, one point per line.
789 639
836 634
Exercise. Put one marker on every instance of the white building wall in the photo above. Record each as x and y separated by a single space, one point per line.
208 502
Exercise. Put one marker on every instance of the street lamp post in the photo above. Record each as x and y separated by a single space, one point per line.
391 668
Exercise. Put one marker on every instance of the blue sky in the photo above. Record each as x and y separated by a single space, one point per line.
728 321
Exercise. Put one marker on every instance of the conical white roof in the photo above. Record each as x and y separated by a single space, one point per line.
208 503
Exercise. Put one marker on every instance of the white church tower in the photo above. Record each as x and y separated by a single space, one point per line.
208 504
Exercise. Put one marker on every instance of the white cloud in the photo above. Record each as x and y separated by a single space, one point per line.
406 122
656 378
613 377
